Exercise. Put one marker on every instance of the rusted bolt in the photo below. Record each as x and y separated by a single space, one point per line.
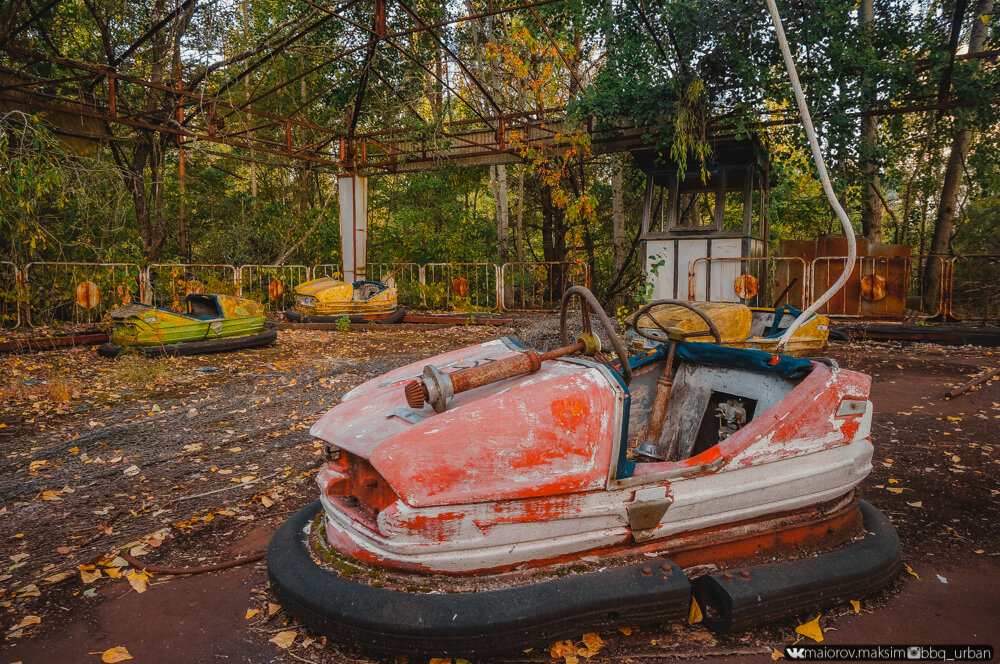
667 569
745 574
727 577
647 571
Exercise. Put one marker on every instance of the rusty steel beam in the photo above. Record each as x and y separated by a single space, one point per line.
201 98
166 129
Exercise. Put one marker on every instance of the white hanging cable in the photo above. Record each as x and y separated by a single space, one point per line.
824 178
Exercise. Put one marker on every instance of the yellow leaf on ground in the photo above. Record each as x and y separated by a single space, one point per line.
777 655
28 620
593 644
265 501
954 419
571 659
273 608
627 631
893 480
89 575
116 654
30 590
440 660
252 612
694 615
811 629
56 578
284 639
562 648
138 581
857 605
894 489
910 571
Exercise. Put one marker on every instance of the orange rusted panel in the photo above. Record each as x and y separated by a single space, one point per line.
275 289
873 287
460 286
88 294
745 286
193 286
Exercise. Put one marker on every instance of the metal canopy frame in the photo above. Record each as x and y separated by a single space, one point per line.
192 114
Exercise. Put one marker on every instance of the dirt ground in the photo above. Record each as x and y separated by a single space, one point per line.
193 461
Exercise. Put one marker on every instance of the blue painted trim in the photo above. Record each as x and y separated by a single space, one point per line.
515 343
381 286
624 467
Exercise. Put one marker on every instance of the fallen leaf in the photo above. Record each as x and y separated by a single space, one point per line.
562 648
777 655
919 503
266 502
18 557
955 458
284 639
440 660
894 489
954 419
857 605
116 654
129 472
252 612
30 590
811 630
26 622
88 574
694 615
910 571
56 578
138 581
627 631
593 644
273 608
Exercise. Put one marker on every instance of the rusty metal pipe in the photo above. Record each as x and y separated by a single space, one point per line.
658 411
437 387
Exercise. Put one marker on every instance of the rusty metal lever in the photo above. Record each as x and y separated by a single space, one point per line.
437 387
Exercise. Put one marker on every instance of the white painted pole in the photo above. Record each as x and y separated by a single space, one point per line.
353 191
824 177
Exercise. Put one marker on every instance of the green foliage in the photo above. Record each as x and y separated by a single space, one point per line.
343 323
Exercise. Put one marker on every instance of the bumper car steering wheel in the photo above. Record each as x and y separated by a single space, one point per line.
587 303
644 311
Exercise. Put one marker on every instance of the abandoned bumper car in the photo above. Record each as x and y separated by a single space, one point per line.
327 300
498 497
212 324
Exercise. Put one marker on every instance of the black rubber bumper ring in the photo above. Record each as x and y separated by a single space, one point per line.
395 317
763 593
481 623
111 351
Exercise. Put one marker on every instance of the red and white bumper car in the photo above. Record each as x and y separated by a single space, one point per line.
492 497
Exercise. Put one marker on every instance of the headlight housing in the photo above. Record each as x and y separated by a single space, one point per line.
306 301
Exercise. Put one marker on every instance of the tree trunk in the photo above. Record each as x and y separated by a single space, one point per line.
954 171
498 183
519 230
871 206
618 211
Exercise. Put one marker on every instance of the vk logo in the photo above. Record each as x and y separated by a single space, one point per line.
795 653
